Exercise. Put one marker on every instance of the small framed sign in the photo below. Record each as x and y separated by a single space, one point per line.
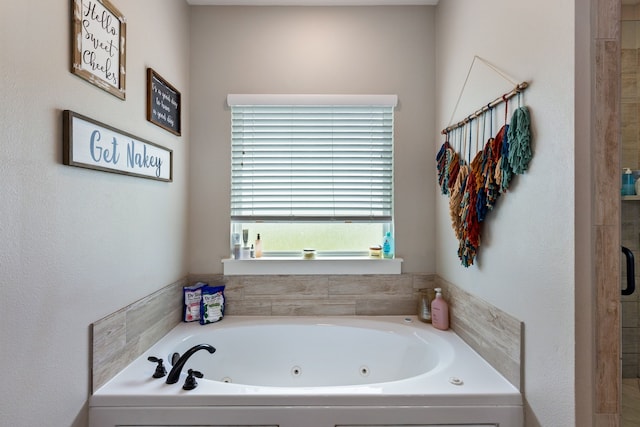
93 145
98 32
163 103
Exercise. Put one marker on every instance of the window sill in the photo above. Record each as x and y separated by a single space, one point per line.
323 265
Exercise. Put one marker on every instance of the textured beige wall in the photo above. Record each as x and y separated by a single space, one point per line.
630 101
78 244
526 265
350 50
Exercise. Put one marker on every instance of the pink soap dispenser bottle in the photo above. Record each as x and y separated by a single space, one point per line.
440 311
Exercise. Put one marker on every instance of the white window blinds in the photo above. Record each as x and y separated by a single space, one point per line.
312 158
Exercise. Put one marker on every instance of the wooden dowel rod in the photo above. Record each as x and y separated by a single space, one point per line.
519 88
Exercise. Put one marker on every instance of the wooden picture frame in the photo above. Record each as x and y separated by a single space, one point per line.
90 144
98 32
164 103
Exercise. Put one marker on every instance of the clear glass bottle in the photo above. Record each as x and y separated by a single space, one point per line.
425 297
236 246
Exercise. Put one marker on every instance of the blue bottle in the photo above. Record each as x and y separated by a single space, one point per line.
388 248
628 186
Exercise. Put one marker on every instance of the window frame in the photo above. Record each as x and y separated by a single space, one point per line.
357 262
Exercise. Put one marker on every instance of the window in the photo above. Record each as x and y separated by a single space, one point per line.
312 171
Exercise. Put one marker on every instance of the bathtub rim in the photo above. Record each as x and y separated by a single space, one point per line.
150 392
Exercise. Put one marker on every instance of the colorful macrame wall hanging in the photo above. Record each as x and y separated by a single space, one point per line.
475 185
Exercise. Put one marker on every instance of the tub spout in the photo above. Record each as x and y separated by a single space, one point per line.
174 375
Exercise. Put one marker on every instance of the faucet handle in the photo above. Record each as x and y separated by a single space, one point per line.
174 358
160 369
190 383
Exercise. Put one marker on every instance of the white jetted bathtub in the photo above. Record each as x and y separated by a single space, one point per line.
312 372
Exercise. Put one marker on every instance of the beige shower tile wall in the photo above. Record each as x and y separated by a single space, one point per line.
630 234
630 225
630 12
630 107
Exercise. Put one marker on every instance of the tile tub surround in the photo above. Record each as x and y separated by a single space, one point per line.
124 335
494 334
121 337
316 295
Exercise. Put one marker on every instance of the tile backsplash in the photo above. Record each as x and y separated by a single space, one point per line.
329 295
124 335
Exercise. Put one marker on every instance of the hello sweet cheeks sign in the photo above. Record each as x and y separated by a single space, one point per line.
94 145
98 48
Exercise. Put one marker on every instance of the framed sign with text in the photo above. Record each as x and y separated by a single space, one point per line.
93 145
98 32
163 103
